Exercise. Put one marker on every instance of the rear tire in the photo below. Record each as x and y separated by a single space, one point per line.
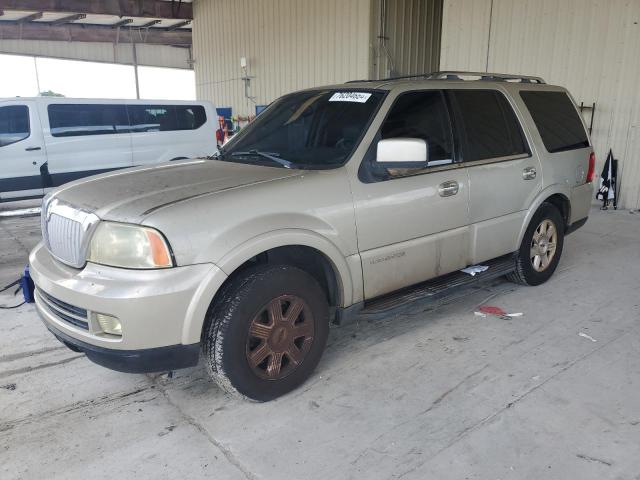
266 331
541 247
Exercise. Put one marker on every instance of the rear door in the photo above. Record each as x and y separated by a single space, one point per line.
161 133
504 177
412 224
85 139
22 151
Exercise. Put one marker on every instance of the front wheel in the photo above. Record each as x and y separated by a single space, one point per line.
266 332
541 247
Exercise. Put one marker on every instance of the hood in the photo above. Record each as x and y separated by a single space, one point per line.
132 194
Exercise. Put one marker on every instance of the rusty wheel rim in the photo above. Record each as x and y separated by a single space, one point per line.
280 337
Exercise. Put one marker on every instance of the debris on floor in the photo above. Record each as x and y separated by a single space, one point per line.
485 310
473 269
588 337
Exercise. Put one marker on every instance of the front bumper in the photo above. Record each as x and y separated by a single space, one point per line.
160 359
161 311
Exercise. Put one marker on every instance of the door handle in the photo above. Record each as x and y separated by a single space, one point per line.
449 188
33 149
529 173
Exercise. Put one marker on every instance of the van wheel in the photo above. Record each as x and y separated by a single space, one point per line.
266 332
541 247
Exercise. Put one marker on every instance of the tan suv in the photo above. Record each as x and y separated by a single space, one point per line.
339 201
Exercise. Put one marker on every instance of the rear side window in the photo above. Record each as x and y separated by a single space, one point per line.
71 120
421 115
14 124
488 125
164 118
556 119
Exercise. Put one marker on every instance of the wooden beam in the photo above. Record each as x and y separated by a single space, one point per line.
74 32
121 8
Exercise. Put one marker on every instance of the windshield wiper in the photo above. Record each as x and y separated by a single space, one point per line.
274 157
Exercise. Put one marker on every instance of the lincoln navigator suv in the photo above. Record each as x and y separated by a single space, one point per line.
335 203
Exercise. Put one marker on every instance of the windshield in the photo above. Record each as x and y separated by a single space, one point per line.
311 129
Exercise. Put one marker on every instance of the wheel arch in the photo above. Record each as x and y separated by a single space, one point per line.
558 196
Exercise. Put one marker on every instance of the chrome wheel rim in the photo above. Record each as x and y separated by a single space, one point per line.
543 245
280 337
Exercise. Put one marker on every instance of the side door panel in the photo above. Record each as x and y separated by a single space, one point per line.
408 233
409 230
85 139
504 175
22 150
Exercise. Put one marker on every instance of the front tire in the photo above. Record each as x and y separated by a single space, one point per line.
266 332
541 247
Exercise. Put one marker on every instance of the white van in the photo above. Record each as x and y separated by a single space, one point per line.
48 141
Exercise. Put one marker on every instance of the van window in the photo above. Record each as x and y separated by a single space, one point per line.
14 124
163 118
71 120
421 115
488 124
557 120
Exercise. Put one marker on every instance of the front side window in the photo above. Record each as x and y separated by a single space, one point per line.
71 120
166 118
556 119
310 129
14 124
421 115
488 125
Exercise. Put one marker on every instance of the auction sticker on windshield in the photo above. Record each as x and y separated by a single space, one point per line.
359 97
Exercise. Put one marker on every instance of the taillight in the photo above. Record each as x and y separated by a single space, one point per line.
592 167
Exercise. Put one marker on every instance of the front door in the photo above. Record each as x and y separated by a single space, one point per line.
412 225
22 150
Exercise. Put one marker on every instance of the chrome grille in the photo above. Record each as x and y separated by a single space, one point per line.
66 231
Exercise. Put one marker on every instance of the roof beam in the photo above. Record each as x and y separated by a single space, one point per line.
69 19
121 23
178 25
30 18
92 33
121 8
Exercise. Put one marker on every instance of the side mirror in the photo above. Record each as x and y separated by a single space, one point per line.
403 153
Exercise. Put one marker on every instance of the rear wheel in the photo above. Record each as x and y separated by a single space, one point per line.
541 247
266 332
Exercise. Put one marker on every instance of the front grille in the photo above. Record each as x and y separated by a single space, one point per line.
64 311
64 238
66 231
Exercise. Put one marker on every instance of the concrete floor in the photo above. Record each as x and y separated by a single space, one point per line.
433 393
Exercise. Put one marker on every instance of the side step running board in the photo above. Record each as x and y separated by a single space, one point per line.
439 287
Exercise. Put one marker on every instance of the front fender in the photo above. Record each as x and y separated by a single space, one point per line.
347 270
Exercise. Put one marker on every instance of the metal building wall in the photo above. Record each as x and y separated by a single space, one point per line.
405 37
149 55
288 44
590 46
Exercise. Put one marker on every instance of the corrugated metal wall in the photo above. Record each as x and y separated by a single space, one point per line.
149 55
590 46
289 45
405 37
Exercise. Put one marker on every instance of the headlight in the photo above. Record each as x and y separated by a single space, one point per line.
129 246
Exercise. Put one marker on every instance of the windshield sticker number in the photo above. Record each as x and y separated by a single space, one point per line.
358 97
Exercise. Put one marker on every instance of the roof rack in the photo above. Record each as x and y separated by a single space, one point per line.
458 75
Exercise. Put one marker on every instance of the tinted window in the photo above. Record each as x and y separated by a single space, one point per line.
488 125
557 120
14 124
421 115
163 118
70 120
